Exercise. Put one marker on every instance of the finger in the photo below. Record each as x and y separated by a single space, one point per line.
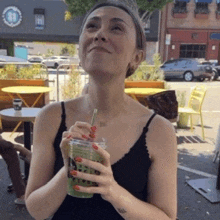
81 125
95 165
103 153
65 134
89 177
89 189
68 137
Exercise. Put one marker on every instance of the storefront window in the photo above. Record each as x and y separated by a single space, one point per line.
192 51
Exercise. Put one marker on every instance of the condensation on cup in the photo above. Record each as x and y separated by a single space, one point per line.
17 104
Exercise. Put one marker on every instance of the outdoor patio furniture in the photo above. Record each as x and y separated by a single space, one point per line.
195 106
14 91
27 115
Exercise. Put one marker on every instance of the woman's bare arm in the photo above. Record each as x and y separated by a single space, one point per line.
162 184
45 193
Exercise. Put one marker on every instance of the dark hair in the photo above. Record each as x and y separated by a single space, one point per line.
140 36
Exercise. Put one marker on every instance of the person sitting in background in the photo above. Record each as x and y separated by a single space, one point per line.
8 151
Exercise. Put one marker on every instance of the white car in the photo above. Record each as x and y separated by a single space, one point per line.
55 61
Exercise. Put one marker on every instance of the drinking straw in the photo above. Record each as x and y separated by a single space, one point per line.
94 116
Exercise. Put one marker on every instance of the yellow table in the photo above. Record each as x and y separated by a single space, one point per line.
19 90
142 92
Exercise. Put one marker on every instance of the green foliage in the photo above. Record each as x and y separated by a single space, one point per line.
149 72
181 98
50 52
68 48
29 72
73 87
80 7
152 5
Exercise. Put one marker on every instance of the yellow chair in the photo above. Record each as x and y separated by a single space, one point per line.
195 106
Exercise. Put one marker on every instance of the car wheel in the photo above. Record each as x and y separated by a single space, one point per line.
215 73
56 65
188 76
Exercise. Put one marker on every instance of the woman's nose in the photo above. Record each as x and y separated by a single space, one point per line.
100 36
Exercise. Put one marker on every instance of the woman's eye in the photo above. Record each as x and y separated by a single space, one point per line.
90 26
117 28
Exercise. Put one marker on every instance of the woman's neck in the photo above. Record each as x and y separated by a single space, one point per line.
108 98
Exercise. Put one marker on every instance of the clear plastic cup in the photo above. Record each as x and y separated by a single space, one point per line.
17 104
84 149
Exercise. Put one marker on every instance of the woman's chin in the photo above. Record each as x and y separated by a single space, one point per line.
97 70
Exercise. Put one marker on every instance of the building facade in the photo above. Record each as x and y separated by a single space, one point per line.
43 20
190 29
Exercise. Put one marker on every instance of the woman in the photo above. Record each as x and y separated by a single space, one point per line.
138 174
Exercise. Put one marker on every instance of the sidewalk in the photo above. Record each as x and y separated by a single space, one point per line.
195 161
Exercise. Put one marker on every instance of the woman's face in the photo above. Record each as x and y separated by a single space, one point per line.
108 41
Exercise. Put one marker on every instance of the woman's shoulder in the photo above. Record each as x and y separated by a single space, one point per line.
55 109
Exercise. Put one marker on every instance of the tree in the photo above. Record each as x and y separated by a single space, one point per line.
146 7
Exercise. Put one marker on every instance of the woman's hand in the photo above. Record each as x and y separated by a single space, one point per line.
80 130
106 183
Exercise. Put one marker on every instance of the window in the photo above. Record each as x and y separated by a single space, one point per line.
192 51
180 7
218 5
39 18
202 6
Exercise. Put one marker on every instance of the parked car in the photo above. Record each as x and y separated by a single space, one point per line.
35 59
55 61
215 68
187 69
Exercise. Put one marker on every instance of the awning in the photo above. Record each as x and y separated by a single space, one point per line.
183 1
203 1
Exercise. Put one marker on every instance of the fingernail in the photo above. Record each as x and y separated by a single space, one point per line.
95 147
78 159
76 187
92 135
73 172
93 128
84 136
69 136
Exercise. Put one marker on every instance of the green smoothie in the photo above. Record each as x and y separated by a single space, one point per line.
81 148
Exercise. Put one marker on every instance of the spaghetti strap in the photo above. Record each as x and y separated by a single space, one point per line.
63 116
148 123
63 111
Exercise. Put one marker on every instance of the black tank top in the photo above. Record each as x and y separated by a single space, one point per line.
130 172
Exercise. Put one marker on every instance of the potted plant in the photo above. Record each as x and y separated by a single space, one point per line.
72 88
147 76
183 117
178 12
201 13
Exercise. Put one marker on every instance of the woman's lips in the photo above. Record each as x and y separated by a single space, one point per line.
99 49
